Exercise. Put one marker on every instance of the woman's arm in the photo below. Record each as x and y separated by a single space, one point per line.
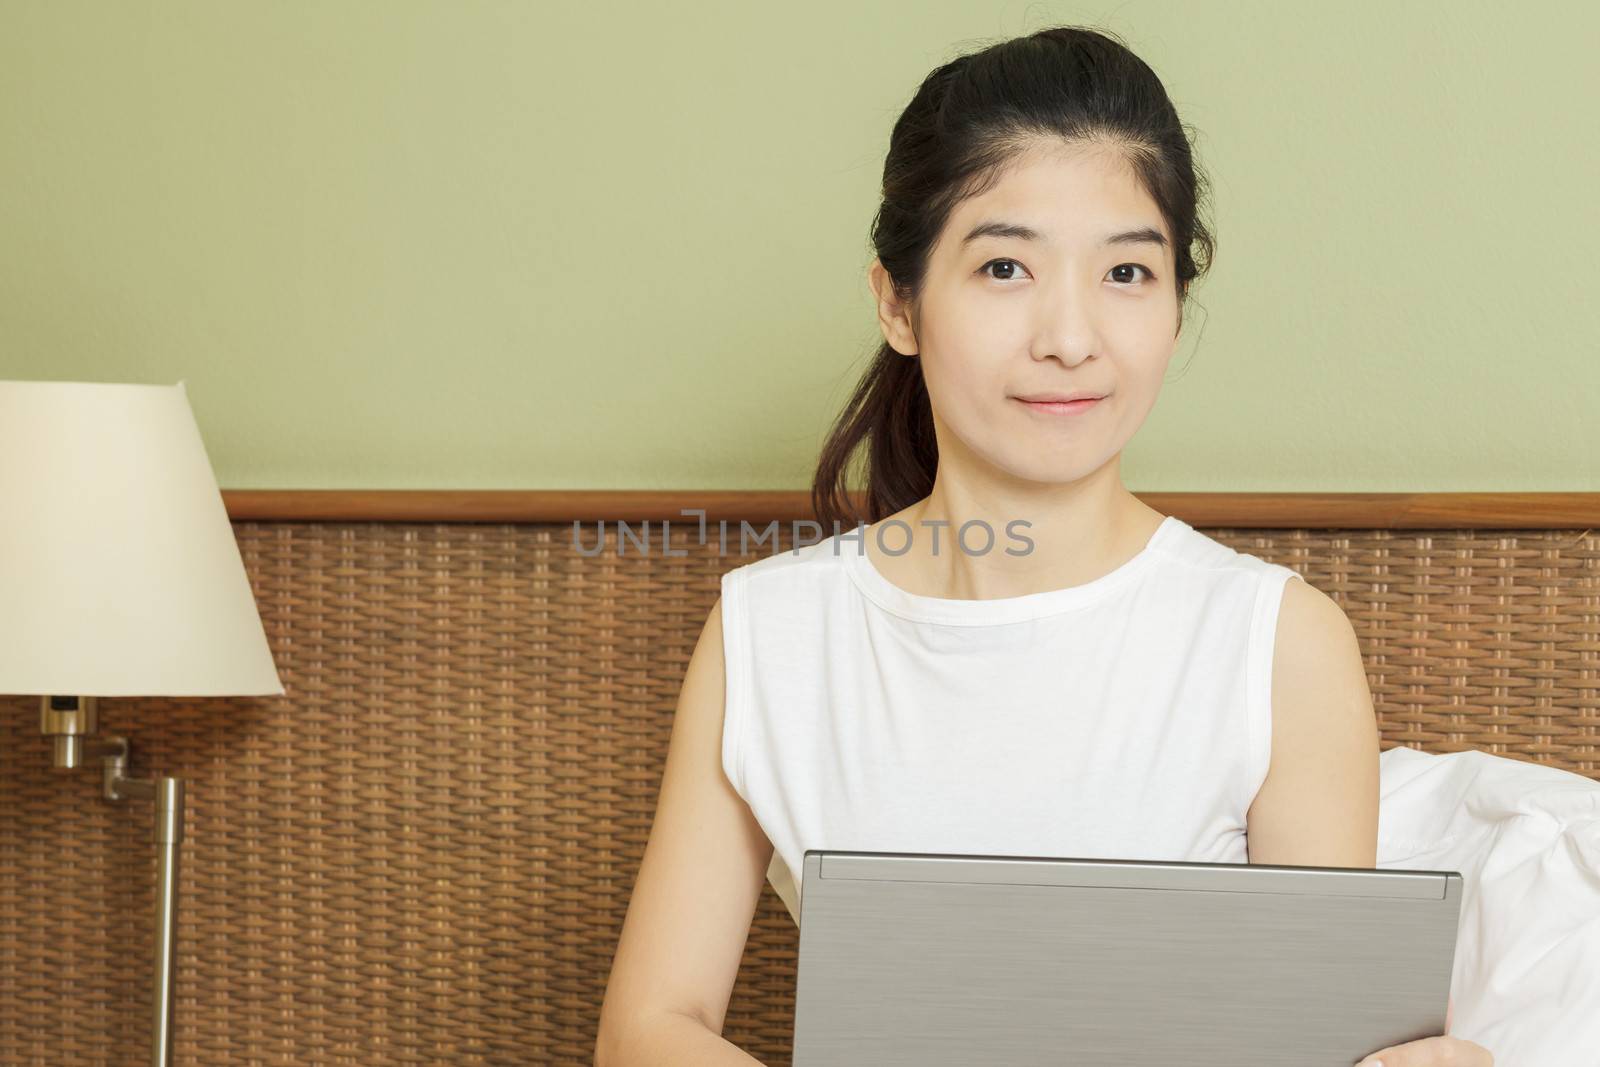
1319 804
672 1040
699 881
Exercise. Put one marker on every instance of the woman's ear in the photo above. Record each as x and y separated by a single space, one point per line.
894 314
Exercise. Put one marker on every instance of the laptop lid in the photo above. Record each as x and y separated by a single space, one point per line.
935 960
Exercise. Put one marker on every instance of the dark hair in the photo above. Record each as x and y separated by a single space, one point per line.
969 119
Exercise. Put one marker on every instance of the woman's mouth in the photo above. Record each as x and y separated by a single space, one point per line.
1058 407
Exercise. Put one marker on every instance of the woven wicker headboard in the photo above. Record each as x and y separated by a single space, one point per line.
424 852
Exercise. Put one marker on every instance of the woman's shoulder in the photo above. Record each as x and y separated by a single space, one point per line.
799 562
1202 552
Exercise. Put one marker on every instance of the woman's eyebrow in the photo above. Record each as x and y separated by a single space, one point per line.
1144 235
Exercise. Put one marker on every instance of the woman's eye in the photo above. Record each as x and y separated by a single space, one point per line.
984 270
1134 266
1011 265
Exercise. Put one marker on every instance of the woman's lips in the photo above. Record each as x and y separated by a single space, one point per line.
1071 407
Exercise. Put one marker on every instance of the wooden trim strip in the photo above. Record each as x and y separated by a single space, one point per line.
1399 511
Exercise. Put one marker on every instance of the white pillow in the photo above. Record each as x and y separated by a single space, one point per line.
1526 839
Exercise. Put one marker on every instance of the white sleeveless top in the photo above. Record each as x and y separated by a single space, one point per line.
1125 718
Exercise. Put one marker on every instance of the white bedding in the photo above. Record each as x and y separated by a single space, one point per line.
1526 839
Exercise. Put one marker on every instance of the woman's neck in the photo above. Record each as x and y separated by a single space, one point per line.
1009 549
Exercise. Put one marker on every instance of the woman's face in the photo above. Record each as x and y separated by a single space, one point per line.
1003 317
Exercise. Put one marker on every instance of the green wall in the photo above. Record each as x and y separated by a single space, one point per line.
557 245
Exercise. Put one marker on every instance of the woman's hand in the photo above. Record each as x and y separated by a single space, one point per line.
1431 1052
1440 1051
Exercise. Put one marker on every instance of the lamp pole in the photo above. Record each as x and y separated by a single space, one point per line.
71 723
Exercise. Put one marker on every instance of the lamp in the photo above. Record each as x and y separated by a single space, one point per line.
120 576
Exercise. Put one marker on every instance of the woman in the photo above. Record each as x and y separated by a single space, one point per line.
1016 656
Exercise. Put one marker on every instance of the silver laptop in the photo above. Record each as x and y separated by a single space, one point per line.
1006 961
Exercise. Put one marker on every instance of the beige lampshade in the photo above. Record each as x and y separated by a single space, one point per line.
119 573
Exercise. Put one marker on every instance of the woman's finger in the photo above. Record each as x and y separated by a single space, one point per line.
1441 1051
